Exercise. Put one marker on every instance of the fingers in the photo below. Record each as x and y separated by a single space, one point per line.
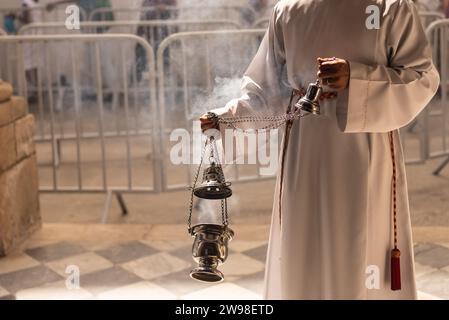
332 69
339 85
207 123
331 64
333 72
321 60
335 81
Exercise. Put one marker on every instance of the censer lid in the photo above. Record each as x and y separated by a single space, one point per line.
213 186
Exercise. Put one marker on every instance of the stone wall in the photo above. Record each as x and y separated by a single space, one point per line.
19 199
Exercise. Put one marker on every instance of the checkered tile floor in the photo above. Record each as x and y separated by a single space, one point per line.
134 269
159 270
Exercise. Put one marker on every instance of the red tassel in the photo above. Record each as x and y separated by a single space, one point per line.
395 269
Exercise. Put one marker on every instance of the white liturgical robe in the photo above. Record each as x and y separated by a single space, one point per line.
336 226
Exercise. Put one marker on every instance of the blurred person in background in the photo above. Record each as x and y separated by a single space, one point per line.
258 5
255 10
157 10
31 13
88 6
9 23
429 5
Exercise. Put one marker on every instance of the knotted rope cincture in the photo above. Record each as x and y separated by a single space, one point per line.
395 253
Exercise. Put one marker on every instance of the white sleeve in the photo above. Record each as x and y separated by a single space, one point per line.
384 98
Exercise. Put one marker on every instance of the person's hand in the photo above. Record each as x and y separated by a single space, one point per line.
208 123
334 73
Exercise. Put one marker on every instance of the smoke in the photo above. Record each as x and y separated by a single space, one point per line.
211 3
209 211
210 9
224 90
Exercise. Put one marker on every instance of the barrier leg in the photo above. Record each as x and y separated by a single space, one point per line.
58 151
441 167
121 203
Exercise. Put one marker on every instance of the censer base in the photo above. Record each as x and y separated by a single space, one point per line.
310 107
209 250
206 275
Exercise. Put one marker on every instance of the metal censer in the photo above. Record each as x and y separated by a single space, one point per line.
310 103
210 245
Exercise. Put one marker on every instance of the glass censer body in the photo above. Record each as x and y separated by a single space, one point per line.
210 245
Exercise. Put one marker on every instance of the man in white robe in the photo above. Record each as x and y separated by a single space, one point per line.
335 228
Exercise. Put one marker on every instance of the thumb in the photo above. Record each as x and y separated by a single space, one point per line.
321 60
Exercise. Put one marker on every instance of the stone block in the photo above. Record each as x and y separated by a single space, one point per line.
12 109
19 107
24 131
8 153
19 204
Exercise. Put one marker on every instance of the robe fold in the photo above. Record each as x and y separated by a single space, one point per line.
336 232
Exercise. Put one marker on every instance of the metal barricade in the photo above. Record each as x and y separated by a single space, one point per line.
261 23
437 116
153 31
231 12
134 14
427 17
270 7
86 144
191 66
41 13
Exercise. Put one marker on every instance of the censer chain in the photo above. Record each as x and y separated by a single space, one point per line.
195 181
224 202
276 122
215 154
224 205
